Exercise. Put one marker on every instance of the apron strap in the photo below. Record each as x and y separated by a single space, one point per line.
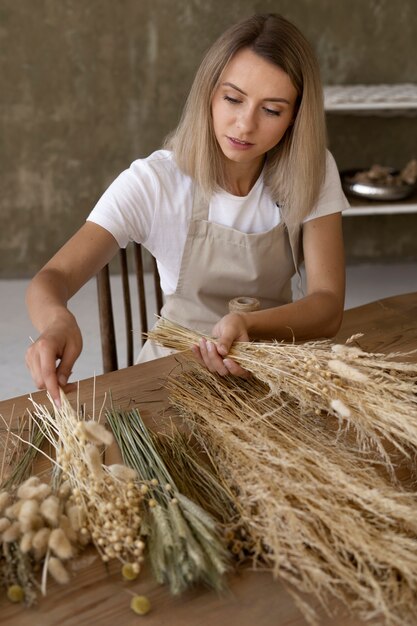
200 205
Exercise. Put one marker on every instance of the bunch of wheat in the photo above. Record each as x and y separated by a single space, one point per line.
321 508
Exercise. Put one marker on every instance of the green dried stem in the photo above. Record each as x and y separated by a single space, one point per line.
20 462
195 477
184 546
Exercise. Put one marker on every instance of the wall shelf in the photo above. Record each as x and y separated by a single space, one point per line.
387 208
400 98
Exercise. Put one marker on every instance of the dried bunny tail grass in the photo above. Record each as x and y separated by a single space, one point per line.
377 393
101 507
324 519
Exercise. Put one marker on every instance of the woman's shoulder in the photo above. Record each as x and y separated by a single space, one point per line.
160 162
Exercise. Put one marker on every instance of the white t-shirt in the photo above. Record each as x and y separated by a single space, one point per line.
151 203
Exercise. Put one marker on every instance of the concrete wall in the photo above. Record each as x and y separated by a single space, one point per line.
89 85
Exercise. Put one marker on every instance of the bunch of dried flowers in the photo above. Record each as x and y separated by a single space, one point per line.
46 520
320 507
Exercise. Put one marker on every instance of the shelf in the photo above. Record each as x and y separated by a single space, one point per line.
363 207
401 98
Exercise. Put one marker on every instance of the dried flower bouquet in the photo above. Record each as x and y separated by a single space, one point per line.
319 505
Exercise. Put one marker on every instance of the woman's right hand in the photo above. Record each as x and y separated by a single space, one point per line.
51 357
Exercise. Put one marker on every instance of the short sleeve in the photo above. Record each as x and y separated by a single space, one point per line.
331 198
126 208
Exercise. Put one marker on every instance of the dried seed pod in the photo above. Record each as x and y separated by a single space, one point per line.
76 516
58 571
347 371
129 572
97 433
65 525
140 605
15 593
65 490
12 533
28 513
50 510
12 511
40 542
33 488
26 541
122 472
94 461
5 499
59 544
340 408
4 524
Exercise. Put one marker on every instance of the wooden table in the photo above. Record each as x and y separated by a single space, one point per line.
98 596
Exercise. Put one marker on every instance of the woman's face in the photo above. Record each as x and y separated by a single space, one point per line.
252 108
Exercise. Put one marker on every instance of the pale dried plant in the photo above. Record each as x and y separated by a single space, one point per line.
372 395
103 505
322 512
46 520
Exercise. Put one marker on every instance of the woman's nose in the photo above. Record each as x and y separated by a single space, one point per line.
246 120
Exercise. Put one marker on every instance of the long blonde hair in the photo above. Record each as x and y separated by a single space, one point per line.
295 168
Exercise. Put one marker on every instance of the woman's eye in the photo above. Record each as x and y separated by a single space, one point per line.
231 100
272 112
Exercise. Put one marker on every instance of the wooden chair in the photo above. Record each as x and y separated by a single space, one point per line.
105 306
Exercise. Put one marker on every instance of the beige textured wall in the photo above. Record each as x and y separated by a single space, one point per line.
89 85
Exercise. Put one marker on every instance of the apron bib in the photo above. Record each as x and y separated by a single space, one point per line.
221 263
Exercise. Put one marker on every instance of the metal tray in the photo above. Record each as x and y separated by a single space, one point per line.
374 191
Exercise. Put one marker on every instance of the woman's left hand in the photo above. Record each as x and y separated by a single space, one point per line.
212 354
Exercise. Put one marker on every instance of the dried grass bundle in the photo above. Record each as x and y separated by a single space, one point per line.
373 394
184 545
318 508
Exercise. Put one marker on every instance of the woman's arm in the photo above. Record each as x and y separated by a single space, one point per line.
318 314
47 297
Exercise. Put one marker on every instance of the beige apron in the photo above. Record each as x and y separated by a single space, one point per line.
221 263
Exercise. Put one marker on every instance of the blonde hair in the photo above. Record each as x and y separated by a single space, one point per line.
295 168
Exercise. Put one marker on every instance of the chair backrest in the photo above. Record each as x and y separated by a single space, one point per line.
105 306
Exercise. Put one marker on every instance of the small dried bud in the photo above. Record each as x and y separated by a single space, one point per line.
140 605
76 516
347 371
12 511
58 571
4 524
94 461
129 572
97 433
40 542
59 544
26 541
340 408
15 593
12 533
33 488
66 526
122 472
50 509
65 490
4 500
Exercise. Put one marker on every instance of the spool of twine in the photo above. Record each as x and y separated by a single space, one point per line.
242 304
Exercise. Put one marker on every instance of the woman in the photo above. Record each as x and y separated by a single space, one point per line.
243 191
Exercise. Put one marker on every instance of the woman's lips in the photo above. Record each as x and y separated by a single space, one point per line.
239 144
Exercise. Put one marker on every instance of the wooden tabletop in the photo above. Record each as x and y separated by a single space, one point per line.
97 595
